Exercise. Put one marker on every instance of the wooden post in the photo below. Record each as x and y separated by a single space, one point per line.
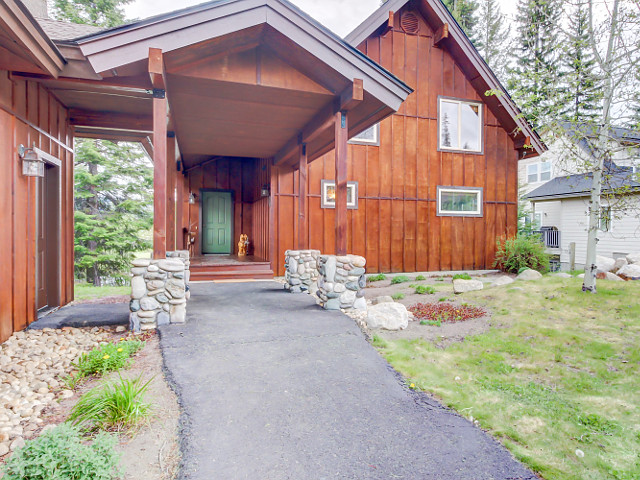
159 154
171 191
341 137
303 224
180 196
572 256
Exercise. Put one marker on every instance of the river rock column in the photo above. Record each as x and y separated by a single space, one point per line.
183 256
301 270
341 282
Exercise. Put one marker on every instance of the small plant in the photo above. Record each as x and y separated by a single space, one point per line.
397 296
377 278
62 453
431 323
443 299
106 358
420 278
445 312
462 276
519 253
440 279
113 406
399 279
422 289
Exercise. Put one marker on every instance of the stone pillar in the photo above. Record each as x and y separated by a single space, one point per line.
183 256
301 270
158 293
341 282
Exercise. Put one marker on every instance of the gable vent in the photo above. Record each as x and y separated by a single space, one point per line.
409 23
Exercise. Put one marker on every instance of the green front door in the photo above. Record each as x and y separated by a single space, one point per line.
216 222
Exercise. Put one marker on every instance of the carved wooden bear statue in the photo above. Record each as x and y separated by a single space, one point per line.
243 244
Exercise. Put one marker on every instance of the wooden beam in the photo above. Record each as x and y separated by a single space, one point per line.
156 69
147 145
180 220
171 191
115 120
303 222
341 137
441 34
159 172
520 143
389 25
352 96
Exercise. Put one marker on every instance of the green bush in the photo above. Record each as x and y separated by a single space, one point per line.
377 278
399 279
397 296
62 454
462 276
422 289
419 278
107 358
113 406
518 253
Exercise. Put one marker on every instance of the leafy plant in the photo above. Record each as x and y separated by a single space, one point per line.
521 252
445 312
462 276
420 278
399 279
113 406
431 323
397 296
443 299
107 358
377 278
422 289
62 453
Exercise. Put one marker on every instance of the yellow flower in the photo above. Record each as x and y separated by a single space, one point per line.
413 385
120 349
105 357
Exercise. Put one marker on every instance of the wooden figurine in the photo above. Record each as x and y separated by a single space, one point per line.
243 244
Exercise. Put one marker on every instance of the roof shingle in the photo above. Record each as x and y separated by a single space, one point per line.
63 31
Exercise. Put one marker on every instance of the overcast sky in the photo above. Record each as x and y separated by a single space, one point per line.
341 16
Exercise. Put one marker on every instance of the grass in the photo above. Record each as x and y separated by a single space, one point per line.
397 296
399 279
86 291
424 289
559 372
462 276
377 278
103 359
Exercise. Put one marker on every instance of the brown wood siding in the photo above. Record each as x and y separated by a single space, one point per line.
395 226
30 115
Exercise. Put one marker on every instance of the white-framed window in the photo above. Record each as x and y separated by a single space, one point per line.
459 125
533 220
328 199
370 136
605 219
459 201
539 172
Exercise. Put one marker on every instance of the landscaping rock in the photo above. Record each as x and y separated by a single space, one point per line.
389 316
382 299
500 281
462 286
562 275
620 262
138 287
581 275
630 272
147 303
528 275
608 276
605 264
633 258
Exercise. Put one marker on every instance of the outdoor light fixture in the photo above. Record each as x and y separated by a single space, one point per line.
264 191
192 198
32 164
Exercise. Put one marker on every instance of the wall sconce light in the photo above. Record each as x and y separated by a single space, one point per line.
32 164
265 191
192 198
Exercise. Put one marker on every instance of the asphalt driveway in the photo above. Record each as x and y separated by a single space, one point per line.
272 387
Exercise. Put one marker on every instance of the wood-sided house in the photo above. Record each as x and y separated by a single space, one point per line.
246 108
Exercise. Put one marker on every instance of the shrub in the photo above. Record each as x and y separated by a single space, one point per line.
399 279
62 453
377 278
521 252
419 278
462 276
397 296
113 406
422 289
107 358
445 312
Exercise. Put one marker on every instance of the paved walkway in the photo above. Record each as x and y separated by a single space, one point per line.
274 388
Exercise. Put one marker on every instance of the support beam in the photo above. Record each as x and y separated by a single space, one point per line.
303 222
341 137
110 120
180 217
171 191
441 34
521 143
389 25
159 173
156 69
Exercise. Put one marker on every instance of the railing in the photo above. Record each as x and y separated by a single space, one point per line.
550 238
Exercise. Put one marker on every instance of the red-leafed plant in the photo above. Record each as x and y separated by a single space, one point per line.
445 312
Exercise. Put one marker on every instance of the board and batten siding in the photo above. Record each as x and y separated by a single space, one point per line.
395 226
30 115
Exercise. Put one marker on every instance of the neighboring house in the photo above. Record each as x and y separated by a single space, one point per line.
246 107
557 191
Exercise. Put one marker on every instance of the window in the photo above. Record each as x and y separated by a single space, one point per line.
539 172
459 201
460 125
605 219
533 221
329 194
370 136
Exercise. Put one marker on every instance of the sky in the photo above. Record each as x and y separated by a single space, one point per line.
341 16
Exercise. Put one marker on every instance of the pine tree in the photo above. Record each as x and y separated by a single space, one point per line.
446 135
536 77
101 13
492 37
583 88
464 11
113 207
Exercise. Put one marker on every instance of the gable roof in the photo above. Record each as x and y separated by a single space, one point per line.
584 134
482 76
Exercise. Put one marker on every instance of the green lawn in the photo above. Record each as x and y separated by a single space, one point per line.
556 376
86 291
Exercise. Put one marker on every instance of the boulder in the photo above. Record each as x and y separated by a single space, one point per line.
630 272
528 275
608 276
620 262
382 299
461 286
147 304
138 287
389 316
605 264
360 304
633 258
581 275
562 275
503 280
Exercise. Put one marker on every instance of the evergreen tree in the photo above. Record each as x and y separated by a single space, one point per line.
492 37
446 134
583 88
113 203
464 11
101 13
536 77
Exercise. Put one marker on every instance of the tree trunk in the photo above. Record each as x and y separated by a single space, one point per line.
93 210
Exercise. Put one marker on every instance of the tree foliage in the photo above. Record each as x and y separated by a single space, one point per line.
464 11
492 36
101 13
113 202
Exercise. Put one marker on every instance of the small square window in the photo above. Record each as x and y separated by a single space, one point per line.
532 173
329 194
370 136
605 219
459 201
545 171
460 125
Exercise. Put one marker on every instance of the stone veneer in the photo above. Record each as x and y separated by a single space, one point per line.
301 270
159 291
341 282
